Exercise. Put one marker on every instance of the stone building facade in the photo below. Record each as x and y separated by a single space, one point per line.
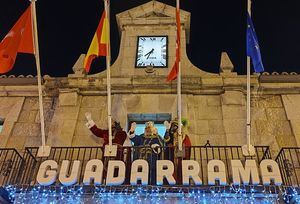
214 104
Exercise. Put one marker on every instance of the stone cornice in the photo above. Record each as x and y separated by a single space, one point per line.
190 84
283 78
264 84
20 80
19 90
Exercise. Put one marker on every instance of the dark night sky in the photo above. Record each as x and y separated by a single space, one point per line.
66 29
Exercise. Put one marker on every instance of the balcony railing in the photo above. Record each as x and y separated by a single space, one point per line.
11 162
288 160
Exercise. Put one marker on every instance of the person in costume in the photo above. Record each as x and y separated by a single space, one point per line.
119 138
118 134
172 152
148 147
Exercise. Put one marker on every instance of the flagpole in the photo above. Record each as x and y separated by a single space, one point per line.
43 151
106 6
248 92
179 89
250 149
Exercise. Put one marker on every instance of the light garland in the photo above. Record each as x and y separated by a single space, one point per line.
158 194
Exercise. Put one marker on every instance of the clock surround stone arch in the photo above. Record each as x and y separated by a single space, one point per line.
152 19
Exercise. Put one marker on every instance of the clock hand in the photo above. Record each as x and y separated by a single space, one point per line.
149 53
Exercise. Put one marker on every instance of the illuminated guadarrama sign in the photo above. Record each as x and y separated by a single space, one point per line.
93 173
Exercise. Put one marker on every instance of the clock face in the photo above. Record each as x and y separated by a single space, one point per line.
152 51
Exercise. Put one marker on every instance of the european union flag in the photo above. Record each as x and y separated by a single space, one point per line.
253 50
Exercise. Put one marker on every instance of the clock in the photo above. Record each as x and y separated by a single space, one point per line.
152 51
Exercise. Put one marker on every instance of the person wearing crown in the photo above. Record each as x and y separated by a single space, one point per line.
149 146
171 141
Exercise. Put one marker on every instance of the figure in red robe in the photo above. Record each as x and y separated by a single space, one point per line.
120 139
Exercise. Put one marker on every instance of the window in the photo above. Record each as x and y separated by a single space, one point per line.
140 127
1 124
141 119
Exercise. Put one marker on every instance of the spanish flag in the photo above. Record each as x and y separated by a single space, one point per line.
99 43
18 39
174 72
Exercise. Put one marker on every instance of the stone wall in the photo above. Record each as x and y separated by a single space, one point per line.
97 106
219 118
10 108
272 127
292 113
22 121
214 115
205 115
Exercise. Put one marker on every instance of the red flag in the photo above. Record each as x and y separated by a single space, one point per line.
174 72
99 42
18 39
